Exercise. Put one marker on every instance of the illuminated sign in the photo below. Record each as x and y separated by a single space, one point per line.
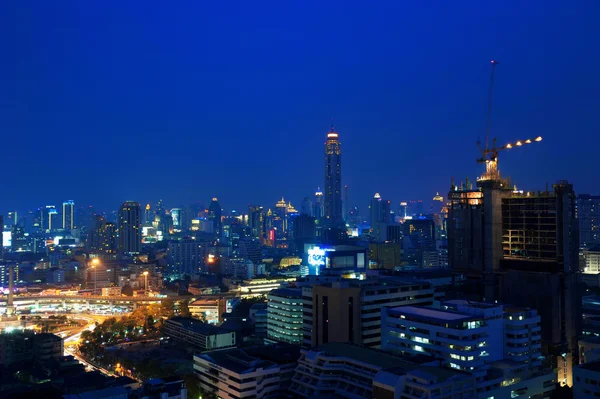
316 256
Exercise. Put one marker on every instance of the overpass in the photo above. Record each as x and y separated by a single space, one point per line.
33 301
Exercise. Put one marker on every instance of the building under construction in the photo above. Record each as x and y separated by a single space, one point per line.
520 248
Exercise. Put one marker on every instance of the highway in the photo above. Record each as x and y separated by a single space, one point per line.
71 341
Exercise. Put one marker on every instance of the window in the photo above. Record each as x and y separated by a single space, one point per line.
418 348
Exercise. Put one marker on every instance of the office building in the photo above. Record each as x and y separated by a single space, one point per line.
187 257
210 310
333 178
55 276
588 215
253 373
177 219
68 215
318 206
380 215
500 347
130 228
102 237
419 242
307 207
349 371
19 347
195 333
349 310
284 315
259 319
521 248
256 221
250 249
48 218
385 255
214 215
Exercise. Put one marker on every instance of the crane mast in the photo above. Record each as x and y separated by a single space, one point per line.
489 155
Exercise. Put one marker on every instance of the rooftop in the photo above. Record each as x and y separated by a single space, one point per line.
197 325
236 360
287 292
429 313
375 357
592 366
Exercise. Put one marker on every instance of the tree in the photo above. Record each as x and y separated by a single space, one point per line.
127 290
184 309
167 308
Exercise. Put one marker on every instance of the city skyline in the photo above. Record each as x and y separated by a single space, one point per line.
136 111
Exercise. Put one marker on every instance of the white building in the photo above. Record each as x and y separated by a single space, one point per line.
284 315
501 348
350 371
210 310
235 374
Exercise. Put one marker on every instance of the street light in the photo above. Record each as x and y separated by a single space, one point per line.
95 263
145 283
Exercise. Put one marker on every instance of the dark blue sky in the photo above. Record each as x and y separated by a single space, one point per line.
102 102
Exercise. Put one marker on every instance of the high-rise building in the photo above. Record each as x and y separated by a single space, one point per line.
284 315
307 206
12 218
68 215
148 216
350 310
176 216
588 215
187 257
214 214
318 205
256 221
403 210
380 215
130 228
48 216
333 178
419 242
521 248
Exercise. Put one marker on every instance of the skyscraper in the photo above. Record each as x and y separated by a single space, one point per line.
256 221
318 205
130 229
214 214
333 178
588 214
68 215
48 218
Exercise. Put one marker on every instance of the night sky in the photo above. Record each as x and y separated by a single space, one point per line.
103 102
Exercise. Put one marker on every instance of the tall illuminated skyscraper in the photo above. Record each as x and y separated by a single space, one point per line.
333 178
130 229
68 215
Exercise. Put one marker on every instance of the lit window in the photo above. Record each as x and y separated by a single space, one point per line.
418 348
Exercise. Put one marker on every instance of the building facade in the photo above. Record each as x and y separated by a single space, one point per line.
130 228
284 315
349 310
195 333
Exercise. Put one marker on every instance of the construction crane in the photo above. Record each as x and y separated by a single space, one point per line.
489 155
